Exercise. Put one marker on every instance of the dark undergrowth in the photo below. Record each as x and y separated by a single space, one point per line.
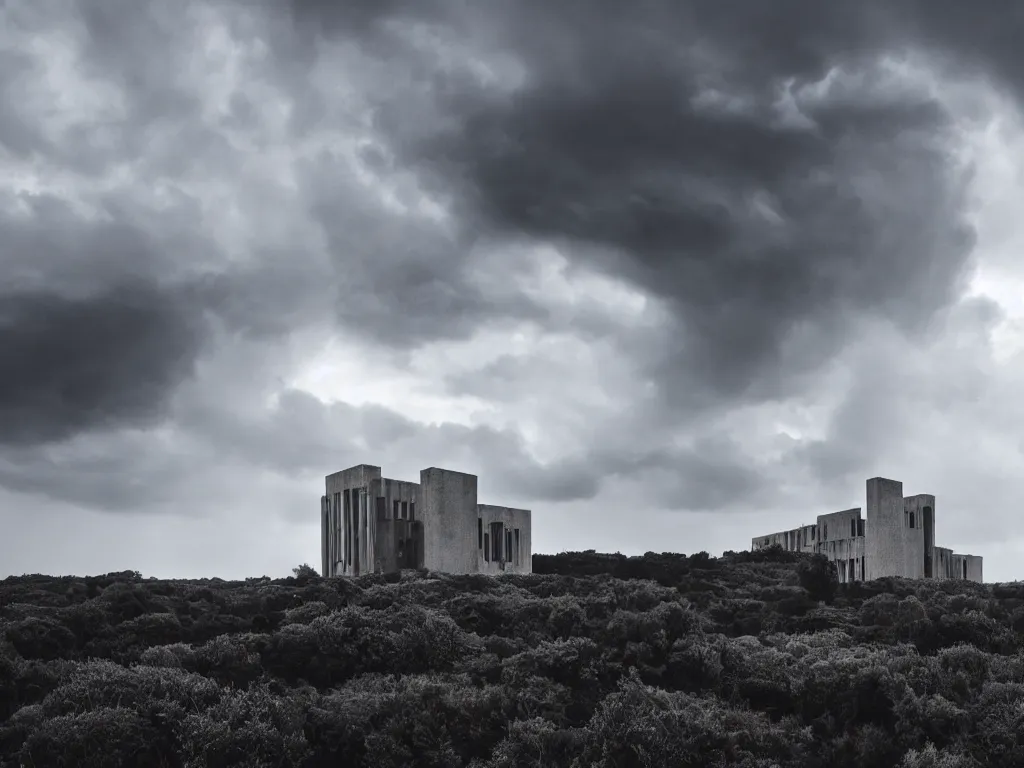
751 659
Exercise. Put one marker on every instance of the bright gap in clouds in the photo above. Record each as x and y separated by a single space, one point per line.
415 384
998 153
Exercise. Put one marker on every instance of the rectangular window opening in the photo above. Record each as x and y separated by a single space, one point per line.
517 546
487 548
497 542
479 533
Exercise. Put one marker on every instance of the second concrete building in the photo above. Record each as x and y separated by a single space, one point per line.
896 539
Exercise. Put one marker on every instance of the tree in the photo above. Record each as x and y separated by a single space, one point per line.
818 576
305 571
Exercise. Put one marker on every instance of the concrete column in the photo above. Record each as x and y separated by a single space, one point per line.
449 511
364 560
884 537
323 538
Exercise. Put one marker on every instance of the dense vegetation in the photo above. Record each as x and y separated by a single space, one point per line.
752 659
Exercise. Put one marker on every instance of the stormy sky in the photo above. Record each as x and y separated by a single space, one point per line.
671 273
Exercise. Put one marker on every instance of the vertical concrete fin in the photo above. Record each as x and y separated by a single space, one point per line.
448 508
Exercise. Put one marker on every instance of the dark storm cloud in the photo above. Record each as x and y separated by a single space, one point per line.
754 166
90 363
757 167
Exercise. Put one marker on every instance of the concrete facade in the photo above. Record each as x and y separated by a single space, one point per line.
503 539
373 524
897 538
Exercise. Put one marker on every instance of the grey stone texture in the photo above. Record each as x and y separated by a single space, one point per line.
503 536
373 524
896 539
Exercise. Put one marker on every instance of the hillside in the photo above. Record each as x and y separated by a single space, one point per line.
752 659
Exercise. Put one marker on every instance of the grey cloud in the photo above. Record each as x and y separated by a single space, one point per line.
88 363
401 279
682 171
770 182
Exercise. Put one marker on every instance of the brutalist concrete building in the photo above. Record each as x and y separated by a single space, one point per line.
373 524
896 539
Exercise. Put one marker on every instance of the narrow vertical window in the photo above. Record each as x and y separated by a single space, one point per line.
487 548
517 546
497 541
394 510
479 533
412 510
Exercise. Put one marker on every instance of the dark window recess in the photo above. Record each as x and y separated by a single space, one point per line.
394 509
497 542
863 569
860 527
911 519
487 549
479 533
518 551
412 510
853 569
405 510
824 534
853 528
965 568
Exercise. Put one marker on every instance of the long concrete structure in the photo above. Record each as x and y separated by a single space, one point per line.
896 539
373 524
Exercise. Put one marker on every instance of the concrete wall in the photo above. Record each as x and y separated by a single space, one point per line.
884 538
800 539
974 568
514 525
398 544
914 546
449 501
352 520
848 556
401 499
923 508
836 526
943 563
325 567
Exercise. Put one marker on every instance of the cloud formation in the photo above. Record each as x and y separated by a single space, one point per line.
691 260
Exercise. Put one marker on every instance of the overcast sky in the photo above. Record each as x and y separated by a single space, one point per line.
670 273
